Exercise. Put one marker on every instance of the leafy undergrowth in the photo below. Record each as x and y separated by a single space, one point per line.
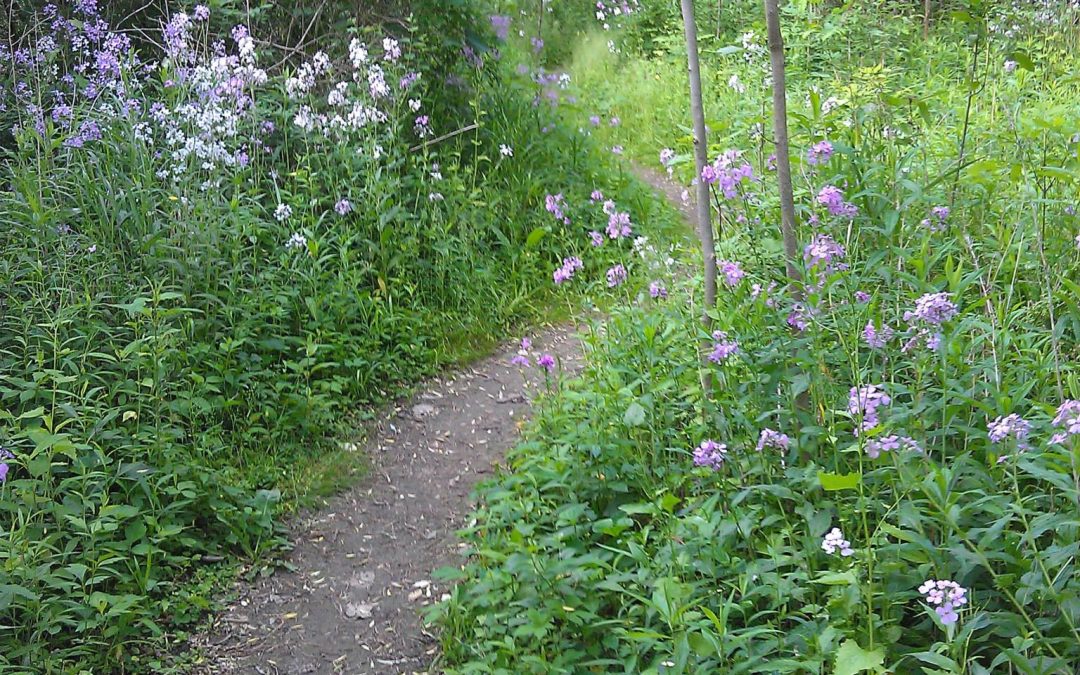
214 253
885 474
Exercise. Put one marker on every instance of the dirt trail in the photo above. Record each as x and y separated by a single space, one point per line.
363 564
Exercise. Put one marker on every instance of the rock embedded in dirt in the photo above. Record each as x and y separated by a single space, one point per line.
423 410
359 610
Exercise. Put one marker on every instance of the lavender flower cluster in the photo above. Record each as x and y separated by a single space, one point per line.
946 597
710 454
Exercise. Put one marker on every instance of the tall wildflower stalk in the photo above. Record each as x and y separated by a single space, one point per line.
704 224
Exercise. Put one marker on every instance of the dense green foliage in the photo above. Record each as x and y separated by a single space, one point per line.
203 279
917 392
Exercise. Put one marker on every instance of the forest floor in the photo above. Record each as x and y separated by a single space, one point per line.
360 571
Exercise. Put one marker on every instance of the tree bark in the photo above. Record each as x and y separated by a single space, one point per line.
701 149
780 137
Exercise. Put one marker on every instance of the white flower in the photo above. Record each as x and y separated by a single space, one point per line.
391 48
337 95
377 83
321 62
283 212
506 150
735 84
357 53
414 104
297 240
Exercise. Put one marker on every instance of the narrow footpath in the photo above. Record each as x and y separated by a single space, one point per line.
362 566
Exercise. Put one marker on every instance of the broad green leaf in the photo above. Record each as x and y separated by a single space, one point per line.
851 659
535 236
832 482
635 415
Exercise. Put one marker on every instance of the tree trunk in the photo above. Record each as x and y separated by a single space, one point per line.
701 149
780 136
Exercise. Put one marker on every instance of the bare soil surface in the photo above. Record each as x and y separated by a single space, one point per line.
363 564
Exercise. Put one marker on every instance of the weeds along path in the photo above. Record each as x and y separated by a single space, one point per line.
361 567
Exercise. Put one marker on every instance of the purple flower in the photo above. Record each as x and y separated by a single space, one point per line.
521 359
823 250
863 403
596 196
614 121
933 309
201 12
876 446
727 172
566 272
876 339
834 543
615 276
732 272
771 438
1068 419
501 24
343 207
723 349
945 597
594 120
936 221
799 317
422 126
547 362
819 153
666 155
596 238
710 454
5 455
619 225
1010 425
862 297
832 198
554 205
537 45
657 290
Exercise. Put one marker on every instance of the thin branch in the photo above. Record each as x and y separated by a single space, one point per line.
439 139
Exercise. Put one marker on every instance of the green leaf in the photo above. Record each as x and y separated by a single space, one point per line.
836 578
535 236
831 482
851 659
635 415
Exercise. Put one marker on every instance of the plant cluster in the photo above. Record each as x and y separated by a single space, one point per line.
213 253
885 474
